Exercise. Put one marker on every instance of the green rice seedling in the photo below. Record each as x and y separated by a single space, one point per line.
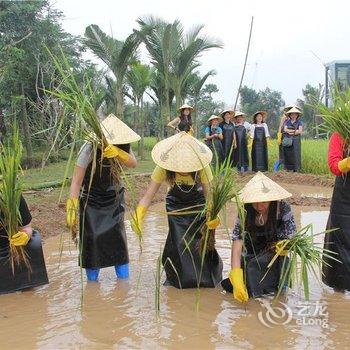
305 259
11 192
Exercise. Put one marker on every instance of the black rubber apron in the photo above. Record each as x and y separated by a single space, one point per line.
102 230
240 154
216 147
22 277
292 154
259 150
186 228
254 262
338 274
228 130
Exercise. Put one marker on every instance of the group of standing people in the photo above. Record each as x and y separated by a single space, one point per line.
231 137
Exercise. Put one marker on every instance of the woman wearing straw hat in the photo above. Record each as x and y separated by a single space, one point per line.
183 163
213 138
228 133
184 121
336 274
240 155
259 140
102 233
268 221
293 128
280 132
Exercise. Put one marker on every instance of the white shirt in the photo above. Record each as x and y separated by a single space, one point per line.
263 125
246 125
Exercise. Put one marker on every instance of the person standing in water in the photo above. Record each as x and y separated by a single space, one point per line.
214 137
268 222
259 140
228 133
293 128
337 274
240 154
102 240
183 163
184 121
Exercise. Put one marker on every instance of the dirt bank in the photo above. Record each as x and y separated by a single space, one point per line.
49 216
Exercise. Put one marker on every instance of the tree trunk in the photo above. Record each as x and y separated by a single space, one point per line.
2 124
142 133
26 130
120 102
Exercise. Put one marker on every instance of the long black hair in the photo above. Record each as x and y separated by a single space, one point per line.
170 176
185 118
271 222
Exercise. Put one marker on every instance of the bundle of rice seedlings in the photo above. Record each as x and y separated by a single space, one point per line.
305 258
81 101
337 118
10 193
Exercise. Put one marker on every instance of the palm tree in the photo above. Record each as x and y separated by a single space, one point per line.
191 46
116 54
139 79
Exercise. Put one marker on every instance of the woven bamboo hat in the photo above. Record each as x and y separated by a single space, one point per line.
181 153
263 113
215 117
231 111
117 132
288 107
262 189
184 106
240 114
294 110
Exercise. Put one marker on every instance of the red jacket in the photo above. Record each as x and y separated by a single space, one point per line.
335 153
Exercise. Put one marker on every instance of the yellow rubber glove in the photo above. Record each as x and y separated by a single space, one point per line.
279 138
112 151
72 207
239 289
250 143
213 224
137 219
21 238
344 165
280 248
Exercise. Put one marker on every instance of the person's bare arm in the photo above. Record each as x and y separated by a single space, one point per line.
208 137
205 188
174 123
27 229
77 180
283 119
220 136
236 252
149 195
299 131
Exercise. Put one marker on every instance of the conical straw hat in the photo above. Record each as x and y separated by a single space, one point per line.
288 107
262 189
239 114
117 132
293 110
215 117
184 106
231 111
181 153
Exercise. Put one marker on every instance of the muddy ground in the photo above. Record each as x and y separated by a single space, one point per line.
49 215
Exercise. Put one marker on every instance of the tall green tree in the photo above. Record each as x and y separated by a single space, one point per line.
139 78
116 54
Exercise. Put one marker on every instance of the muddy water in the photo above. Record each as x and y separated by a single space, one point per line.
121 314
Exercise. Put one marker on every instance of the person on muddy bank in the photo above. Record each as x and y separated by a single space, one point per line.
183 163
293 128
240 154
259 141
228 133
20 276
214 137
269 220
102 241
337 274
184 121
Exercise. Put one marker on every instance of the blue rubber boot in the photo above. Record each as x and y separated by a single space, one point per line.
92 274
122 271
